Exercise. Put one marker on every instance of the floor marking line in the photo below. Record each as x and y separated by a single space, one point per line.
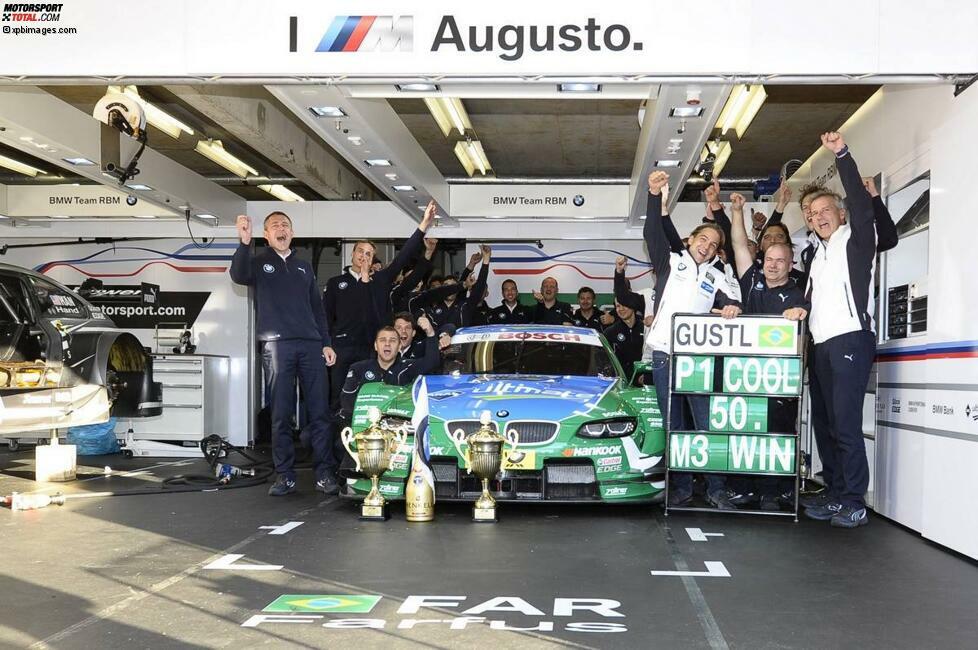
229 563
697 535
713 570
158 587
281 530
703 613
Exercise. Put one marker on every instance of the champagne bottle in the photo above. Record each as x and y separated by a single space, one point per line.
419 496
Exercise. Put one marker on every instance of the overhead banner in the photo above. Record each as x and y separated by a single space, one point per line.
554 201
507 37
78 201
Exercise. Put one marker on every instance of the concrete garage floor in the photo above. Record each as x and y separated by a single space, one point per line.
139 571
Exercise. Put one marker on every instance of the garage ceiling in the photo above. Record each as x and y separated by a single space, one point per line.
574 139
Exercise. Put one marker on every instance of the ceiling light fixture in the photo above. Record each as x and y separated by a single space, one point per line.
327 111
377 162
578 87
145 216
281 192
668 163
214 149
139 186
392 176
741 108
448 113
19 167
78 161
155 116
686 111
403 188
419 87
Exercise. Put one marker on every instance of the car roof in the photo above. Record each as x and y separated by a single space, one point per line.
556 329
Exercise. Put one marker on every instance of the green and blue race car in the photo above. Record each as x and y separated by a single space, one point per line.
585 433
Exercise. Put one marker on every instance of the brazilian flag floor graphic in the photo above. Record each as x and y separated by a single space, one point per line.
323 603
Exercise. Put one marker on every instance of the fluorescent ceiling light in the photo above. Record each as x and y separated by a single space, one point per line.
377 162
449 113
209 217
19 167
686 111
741 108
668 163
281 192
721 150
139 186
145 216
327 111
391 176
214 149
472 156
155 116
78 161
403 188
418 88
579 88
60 216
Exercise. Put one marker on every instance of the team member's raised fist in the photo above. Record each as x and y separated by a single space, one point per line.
243 224
737 202
833 141
657 180
429 217
620 264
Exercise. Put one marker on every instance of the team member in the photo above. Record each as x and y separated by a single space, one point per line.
474 310
586 315
408 347
840 287
779 295
411 282
688 282
549 310
357 302
295 340
511 311
627 335
386 366
441 303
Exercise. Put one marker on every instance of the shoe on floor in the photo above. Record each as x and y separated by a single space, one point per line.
679 498
281 487
740 498
721 499
788 498
815 499
823 513
770 503
328 485
850 517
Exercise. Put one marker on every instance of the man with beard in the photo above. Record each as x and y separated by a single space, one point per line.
295 342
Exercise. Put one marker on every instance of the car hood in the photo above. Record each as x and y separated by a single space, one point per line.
537 397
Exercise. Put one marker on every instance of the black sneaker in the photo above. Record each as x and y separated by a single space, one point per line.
328 485
281 487
740 498
787 498
850 517
816 499
720 499
680 498
823 513
770 503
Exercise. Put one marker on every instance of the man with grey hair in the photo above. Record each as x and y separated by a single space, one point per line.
840 288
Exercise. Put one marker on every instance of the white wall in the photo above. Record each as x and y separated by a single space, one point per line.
925 464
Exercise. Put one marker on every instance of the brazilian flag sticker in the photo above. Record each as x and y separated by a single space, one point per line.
323 603
776 336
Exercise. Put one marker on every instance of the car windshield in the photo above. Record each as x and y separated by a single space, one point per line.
528 357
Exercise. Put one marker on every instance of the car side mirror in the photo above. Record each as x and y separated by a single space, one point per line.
642 370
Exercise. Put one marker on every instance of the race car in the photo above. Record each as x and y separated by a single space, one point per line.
63 363
585 433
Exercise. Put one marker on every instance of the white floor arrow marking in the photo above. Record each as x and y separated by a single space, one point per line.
713 570
281 530
228 562
697 535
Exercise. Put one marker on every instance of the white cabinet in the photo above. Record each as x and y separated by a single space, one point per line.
195 398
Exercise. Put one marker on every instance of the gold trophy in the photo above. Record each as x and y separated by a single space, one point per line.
375 445
483 457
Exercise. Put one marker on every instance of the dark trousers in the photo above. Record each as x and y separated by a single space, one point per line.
819 421
346 356
842 366
284 361
699 407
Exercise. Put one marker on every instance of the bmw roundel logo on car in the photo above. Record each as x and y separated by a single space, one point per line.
502 413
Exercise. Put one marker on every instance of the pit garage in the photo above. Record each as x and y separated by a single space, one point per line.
510 482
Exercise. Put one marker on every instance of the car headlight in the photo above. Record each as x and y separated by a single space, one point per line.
614 428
